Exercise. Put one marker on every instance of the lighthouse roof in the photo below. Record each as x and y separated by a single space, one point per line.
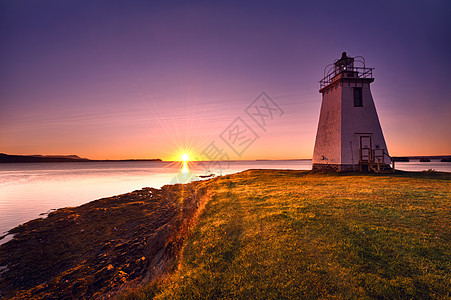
346 67
344 58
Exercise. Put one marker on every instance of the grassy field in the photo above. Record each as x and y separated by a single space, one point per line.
270 234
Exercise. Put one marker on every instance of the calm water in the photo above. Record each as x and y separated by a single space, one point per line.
28 190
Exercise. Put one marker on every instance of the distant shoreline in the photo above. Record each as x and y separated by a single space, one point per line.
6 158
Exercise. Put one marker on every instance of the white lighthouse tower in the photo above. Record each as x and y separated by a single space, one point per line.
349 136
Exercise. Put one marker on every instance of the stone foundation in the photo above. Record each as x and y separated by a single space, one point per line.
335 168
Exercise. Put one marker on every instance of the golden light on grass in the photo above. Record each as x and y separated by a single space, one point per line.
273 234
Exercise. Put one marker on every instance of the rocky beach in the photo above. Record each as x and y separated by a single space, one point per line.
101 248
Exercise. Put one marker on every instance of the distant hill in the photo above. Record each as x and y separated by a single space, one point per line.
59 156
443 158
6 158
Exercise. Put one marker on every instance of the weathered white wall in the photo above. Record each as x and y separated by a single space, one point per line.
328 135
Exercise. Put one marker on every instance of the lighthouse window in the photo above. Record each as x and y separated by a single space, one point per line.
358 97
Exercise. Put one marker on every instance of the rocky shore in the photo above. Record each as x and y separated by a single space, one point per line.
101 248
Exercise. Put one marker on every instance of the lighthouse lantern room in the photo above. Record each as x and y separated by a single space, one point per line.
349 136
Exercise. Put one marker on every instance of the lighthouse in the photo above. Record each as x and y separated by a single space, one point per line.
349 136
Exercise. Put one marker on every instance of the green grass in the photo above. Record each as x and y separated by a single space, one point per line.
268 234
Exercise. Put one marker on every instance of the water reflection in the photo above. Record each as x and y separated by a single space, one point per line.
184 175
27 190
185 169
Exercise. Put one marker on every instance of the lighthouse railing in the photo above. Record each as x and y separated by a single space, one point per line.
358 72
374 159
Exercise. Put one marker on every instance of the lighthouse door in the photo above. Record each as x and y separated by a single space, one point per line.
365 142
365 152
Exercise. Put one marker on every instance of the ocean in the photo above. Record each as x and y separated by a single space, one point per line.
31 190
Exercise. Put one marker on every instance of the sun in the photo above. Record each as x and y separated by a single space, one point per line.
185 157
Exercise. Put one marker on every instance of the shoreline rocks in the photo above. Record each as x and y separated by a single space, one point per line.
99 248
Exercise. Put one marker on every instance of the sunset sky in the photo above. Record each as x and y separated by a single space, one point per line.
153 79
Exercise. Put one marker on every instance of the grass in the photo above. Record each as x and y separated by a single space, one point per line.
270 234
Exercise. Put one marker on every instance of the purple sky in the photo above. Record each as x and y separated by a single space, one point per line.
129 79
